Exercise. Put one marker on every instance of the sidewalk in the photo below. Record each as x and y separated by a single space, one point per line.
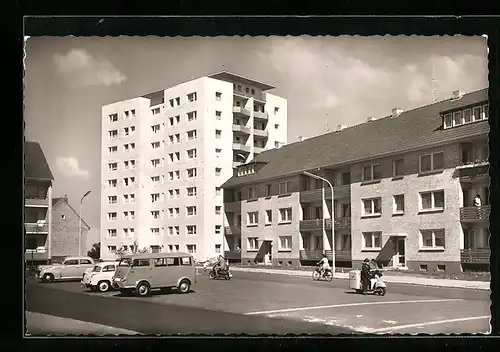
42 324
400 279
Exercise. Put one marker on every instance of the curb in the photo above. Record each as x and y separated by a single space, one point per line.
473 285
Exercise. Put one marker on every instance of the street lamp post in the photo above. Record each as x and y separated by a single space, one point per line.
80 224
332 215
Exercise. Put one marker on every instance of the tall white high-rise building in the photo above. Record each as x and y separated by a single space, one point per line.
165 155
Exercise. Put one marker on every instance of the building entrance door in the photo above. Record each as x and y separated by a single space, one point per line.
400 252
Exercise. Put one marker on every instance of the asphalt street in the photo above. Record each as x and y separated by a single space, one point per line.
256 303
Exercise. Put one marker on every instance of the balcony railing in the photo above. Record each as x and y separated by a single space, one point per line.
471 214
241 111
341 223
237 163
317 254
241 129
260 115
475 256
260 133
36 202
473 172
232 255
343 255
35 255
314 195
317 224
232 230
242 147
231 207
35 228
258 149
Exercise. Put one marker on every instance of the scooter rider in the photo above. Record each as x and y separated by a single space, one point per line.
325 265
221 265
365 275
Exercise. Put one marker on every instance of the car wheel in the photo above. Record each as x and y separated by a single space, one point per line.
143 289
48 278
184 286
103 286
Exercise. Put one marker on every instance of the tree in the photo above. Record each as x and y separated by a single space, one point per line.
95 251
136 247
121 251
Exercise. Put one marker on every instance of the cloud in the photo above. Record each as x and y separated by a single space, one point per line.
70 168
80 69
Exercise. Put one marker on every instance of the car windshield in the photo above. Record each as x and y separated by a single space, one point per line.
125 262
97 268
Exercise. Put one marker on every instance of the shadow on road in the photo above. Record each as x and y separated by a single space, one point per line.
161 292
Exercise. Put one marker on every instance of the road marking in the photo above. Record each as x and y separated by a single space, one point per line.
351 305
447 321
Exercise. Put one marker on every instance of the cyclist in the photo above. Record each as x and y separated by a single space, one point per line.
324 265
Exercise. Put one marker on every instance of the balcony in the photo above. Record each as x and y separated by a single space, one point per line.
340 223
241 129
36 255
237 163
317 254
314 195
473 214
238 110
260 115
258 150
260 133
232 255
343 255
475 256
232 230
232 207
35 228
36 202
473 172
316 224
242 147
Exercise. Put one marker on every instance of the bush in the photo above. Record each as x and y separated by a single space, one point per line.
95 251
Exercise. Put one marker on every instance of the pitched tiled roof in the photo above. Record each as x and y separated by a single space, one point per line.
36 165
56 200
412 130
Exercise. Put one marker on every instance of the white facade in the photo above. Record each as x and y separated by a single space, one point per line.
168 153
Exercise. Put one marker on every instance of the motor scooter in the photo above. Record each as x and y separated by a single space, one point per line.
377 284
220 274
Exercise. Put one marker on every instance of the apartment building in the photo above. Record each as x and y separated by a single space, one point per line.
37 205
166 154
403 193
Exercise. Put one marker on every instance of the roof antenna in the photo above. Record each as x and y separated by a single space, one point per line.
327 127
434 84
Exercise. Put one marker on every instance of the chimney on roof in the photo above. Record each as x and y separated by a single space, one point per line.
396 112
457 94
301 138
369 119
340 127
65 197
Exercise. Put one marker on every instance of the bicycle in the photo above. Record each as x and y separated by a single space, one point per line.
327 274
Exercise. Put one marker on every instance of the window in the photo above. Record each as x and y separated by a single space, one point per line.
432 200
113 134
155 162
171 102
477 112
448 121
155 197
112 150
218 210
191 172
218 151
191 248
276 110
398 168
155 231
269 217
191 97
251 193
399 204
191 116
432 239
132 198
111 232
178 101
111 249
155 128
217 191
247 90
173 193
467 116
457 118
284 187
191 191
191 210
155 180
112 199
162 261
112 216
371 240
113 117
285 243
187 260
253 243
218 134
191 134
486 112
218 115
218 171
191 153
285 215
113 166
431 162
112 183
372 206
218 96
171 121
129 130
253 218
107 268
155 214
253 91
140 262
217 248
372 172
276 144
218 229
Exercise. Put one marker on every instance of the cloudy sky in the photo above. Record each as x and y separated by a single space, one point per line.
327 81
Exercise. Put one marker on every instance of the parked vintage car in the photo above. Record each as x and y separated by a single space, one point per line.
71 268
99 278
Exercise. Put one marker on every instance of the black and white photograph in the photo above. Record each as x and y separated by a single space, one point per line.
256 185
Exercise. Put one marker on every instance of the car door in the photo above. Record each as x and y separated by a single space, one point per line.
70 269
84 265
108 271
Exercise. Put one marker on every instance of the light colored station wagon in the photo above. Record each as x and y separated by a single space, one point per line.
71 268
99 278
142 272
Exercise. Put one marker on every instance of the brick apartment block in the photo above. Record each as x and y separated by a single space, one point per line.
404 187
